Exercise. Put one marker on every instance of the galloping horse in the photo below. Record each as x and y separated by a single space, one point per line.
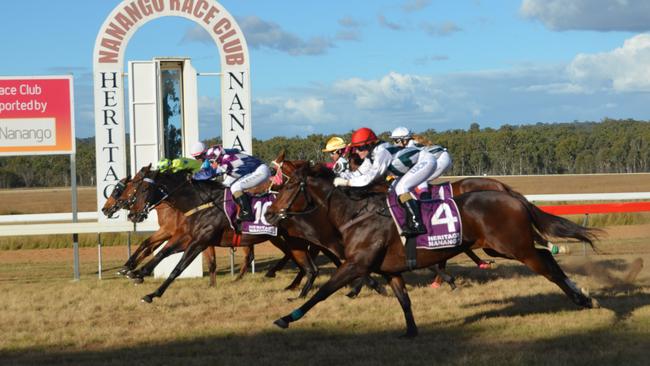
169 220
503 224
288 167
205 223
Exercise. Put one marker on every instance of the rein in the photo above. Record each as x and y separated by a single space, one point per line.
161 189
284 213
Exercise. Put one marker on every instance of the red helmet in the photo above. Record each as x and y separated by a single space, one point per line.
362 136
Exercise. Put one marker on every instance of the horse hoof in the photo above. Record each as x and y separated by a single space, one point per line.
270 275
352 294
409 335
148 299
137 280
281 323
122 272
595 304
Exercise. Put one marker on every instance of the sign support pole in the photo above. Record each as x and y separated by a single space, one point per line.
75 237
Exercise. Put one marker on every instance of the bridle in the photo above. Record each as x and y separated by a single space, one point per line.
302 188
160 190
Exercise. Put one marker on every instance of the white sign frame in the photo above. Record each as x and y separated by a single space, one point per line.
108 60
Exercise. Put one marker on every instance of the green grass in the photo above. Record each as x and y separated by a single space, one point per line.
504 316
65 241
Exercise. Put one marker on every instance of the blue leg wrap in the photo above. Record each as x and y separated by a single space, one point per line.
297 314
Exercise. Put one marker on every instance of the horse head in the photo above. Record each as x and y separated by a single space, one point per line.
302 193
115 200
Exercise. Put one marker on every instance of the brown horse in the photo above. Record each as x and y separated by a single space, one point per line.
288 167
205 223
502 224
169 220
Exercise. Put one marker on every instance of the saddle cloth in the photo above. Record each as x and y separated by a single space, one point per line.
259 204
440 217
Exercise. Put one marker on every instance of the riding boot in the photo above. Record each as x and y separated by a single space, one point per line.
245 211
414 225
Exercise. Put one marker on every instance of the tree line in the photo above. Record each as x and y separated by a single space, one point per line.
609 146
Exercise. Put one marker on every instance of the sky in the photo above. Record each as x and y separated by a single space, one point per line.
332 66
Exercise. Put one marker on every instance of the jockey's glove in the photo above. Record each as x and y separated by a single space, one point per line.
338 182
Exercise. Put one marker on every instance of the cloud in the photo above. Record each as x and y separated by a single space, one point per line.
393 91
263 34
196 34
415 5
428 59
597 15
625 69
440 29
387 24
349 22
295 110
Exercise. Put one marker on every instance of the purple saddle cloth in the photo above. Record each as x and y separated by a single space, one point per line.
259 204
440 217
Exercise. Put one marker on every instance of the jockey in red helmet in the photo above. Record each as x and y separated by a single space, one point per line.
375 154
386 158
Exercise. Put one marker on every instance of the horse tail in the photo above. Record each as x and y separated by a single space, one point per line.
551 225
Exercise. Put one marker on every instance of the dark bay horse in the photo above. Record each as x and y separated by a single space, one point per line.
288 167
205 225
503 224
169 220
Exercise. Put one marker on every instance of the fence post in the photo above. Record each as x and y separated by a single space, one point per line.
99 255
75 237
585 222
232 261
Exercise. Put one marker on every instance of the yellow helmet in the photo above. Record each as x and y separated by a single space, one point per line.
335 143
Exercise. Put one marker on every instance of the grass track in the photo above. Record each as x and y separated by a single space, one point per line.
505 316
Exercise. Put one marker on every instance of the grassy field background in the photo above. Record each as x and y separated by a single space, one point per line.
503 316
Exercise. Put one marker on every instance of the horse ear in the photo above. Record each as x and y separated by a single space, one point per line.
280 157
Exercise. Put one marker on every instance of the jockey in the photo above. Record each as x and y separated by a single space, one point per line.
335 147
402 136
242 172
411 165
379 154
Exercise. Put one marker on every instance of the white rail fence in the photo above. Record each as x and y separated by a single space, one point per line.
60 223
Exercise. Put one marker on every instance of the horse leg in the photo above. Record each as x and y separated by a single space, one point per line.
307 265
399 289
345 274
145 270
144 249
278 266
249 256
357 285
211 257
478 261
442 275
544 264
188 256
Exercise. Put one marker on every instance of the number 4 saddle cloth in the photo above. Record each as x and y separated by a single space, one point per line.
440 217
259 204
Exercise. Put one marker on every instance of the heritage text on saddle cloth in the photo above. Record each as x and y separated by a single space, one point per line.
440 217
259 204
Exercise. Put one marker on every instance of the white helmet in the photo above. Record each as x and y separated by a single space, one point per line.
197 149
401 133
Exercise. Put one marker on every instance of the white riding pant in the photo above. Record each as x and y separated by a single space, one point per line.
443 163
250 180
419 173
